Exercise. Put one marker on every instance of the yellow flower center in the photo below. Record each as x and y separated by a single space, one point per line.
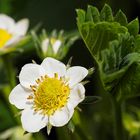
4 37
50 94
52 40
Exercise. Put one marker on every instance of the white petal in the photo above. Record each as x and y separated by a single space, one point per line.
76 74
21 27
13 41
56 46
29 74
7 23
61 117
45 45
32 121
76 96
18 97
52 66
2 25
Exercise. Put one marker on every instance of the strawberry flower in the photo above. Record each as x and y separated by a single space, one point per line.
48 94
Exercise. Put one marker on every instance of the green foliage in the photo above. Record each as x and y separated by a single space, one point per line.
120 18
131 124
133 27
97 35
131 120
114 45
106 14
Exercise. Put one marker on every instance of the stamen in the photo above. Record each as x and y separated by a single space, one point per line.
30 97
50 94
4 37
33 87
55 75
42 78
38 81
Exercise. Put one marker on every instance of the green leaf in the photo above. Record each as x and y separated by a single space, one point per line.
113 56
109 65
92 14
114 44
129 84
97 36
119 68
131 124
106 13
124 82
80 17
121 18
133 27
89 14
137 43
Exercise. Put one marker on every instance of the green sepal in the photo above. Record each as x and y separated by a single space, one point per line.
91 99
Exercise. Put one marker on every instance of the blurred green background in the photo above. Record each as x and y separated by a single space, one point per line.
61 14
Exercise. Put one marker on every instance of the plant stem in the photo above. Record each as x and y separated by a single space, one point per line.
118 122
10 71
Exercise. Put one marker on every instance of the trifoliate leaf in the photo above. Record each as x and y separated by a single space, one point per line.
114 44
